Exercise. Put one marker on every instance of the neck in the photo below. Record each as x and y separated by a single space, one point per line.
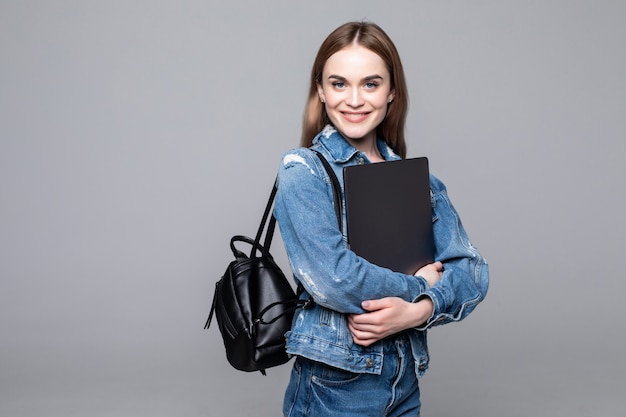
369 147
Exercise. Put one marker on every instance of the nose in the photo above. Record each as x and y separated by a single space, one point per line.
355 99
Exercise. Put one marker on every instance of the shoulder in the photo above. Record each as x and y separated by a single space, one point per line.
298 166
297 156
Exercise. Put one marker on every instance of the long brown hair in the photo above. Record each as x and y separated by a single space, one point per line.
372 37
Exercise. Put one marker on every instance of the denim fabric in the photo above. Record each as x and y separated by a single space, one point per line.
316 389
338 280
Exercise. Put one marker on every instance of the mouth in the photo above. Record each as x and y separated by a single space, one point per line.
354 117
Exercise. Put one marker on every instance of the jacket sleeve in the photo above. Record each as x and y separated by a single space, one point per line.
465 278
332 274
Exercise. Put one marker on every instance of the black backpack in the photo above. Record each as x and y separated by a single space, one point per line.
254 302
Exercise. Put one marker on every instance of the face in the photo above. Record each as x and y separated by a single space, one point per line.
356 89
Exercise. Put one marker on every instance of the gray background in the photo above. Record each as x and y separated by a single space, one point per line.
137 136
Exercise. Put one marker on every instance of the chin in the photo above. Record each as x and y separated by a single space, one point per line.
356 134
353 132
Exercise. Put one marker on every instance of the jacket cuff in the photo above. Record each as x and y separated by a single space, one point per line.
438 302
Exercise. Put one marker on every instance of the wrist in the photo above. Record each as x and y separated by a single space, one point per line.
424 309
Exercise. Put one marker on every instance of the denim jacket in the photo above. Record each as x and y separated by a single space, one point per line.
338 280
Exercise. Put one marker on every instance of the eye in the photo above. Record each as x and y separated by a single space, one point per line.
338 84
371 84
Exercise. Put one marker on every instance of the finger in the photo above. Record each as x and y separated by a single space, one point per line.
363 338
361 328
364 343
373 305
365 319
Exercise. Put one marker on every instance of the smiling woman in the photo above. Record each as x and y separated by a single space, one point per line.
360 347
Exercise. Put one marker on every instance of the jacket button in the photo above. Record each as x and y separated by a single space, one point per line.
369 363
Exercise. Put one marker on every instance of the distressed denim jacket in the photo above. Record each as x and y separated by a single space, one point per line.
338 280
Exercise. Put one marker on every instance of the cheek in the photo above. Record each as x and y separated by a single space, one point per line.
331 98
384 100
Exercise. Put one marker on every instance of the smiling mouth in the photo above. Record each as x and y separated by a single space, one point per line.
355 117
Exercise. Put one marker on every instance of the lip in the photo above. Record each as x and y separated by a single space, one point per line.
354 117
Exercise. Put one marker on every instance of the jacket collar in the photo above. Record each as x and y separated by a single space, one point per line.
341 151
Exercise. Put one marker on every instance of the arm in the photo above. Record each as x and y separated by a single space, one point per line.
465 279
387 316
462 285
332 274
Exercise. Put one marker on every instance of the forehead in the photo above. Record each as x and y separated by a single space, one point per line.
355 61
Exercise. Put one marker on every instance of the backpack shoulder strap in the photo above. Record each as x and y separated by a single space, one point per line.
336 187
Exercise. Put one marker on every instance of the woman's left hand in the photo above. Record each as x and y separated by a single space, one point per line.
387 316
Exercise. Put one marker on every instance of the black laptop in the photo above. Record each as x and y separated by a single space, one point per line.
389 213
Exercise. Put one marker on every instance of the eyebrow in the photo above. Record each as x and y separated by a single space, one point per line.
365 79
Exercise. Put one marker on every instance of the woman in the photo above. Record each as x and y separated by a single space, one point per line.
361 346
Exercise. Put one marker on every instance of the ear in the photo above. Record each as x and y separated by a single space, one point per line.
320 93
391 96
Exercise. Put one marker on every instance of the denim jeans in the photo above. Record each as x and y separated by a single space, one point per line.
318 390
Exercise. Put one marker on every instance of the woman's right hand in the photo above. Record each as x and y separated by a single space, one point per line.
431 273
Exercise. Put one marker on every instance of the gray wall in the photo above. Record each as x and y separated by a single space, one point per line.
137 136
